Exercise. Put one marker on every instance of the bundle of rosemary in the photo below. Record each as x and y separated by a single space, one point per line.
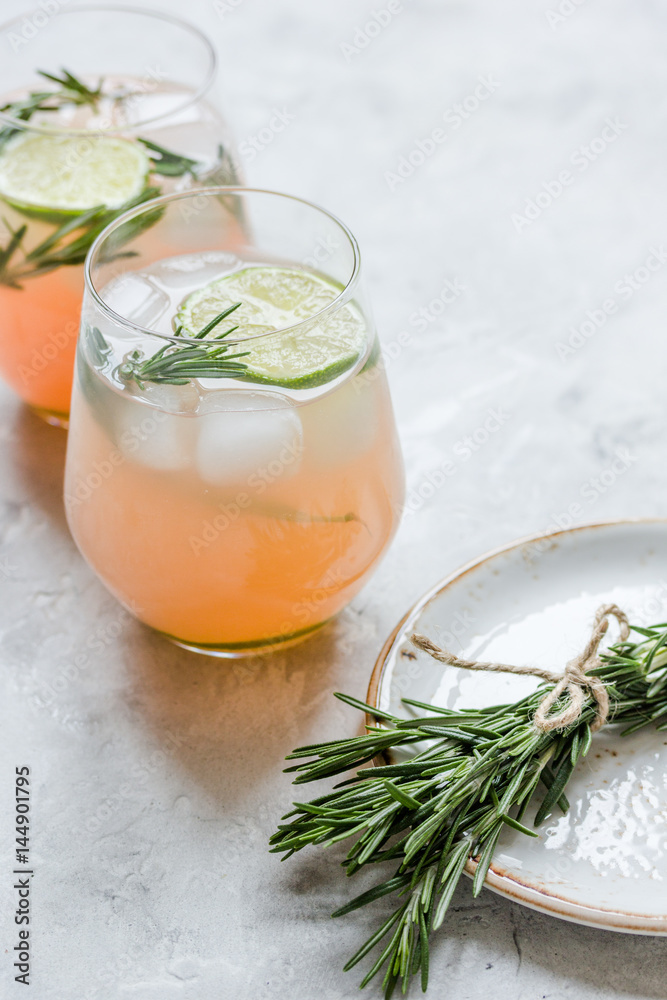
480 770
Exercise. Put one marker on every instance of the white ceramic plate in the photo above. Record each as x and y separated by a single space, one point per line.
605 862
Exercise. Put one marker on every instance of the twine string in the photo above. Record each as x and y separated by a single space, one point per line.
576 679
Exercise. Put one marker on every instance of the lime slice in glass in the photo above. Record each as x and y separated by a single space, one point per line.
61 176
273 298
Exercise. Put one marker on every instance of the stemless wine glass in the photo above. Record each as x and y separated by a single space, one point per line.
233 473
102 108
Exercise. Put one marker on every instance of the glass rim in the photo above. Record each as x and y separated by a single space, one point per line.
338 302
27 126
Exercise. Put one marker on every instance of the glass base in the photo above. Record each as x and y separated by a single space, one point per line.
234 651
51 416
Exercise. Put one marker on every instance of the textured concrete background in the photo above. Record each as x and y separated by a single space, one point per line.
165 891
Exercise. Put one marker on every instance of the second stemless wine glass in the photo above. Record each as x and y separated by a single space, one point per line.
233 473
101 108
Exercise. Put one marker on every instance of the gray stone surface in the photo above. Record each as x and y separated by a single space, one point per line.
157 773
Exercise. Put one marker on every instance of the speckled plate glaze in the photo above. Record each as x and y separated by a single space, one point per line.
605 862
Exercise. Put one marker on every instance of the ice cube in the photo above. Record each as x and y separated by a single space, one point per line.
341 425
193 269
246 438
172 398
137 297
160 437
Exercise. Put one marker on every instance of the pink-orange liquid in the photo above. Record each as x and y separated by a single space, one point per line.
38 329
263 560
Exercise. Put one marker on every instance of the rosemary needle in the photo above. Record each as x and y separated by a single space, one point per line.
185 358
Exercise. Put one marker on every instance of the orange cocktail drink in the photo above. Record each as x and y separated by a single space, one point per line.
233 473
79 146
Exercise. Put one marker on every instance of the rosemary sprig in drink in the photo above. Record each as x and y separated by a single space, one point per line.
448 804
167 163
69 243
184 358
71 91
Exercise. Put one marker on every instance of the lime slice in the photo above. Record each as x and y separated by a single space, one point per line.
55 175
273 298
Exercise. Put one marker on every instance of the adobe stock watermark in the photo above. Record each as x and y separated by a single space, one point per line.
596 486
590 491
306 614
139 774
57 341
651 609
227 170
624 289
562 11
103 637
419 320
147 84
581 159
225 7
304 610
224 171
454 117
323 250
81 147
462 451
379 19
130 441
252 145
33 23
257 484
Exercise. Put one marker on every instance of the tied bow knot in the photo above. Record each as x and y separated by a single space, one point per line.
577 679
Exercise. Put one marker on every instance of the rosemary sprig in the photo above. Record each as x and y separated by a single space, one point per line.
71 91
16 237
23 111
448 803
167 163
69 243
184 358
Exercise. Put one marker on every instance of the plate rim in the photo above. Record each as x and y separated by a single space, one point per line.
497 880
